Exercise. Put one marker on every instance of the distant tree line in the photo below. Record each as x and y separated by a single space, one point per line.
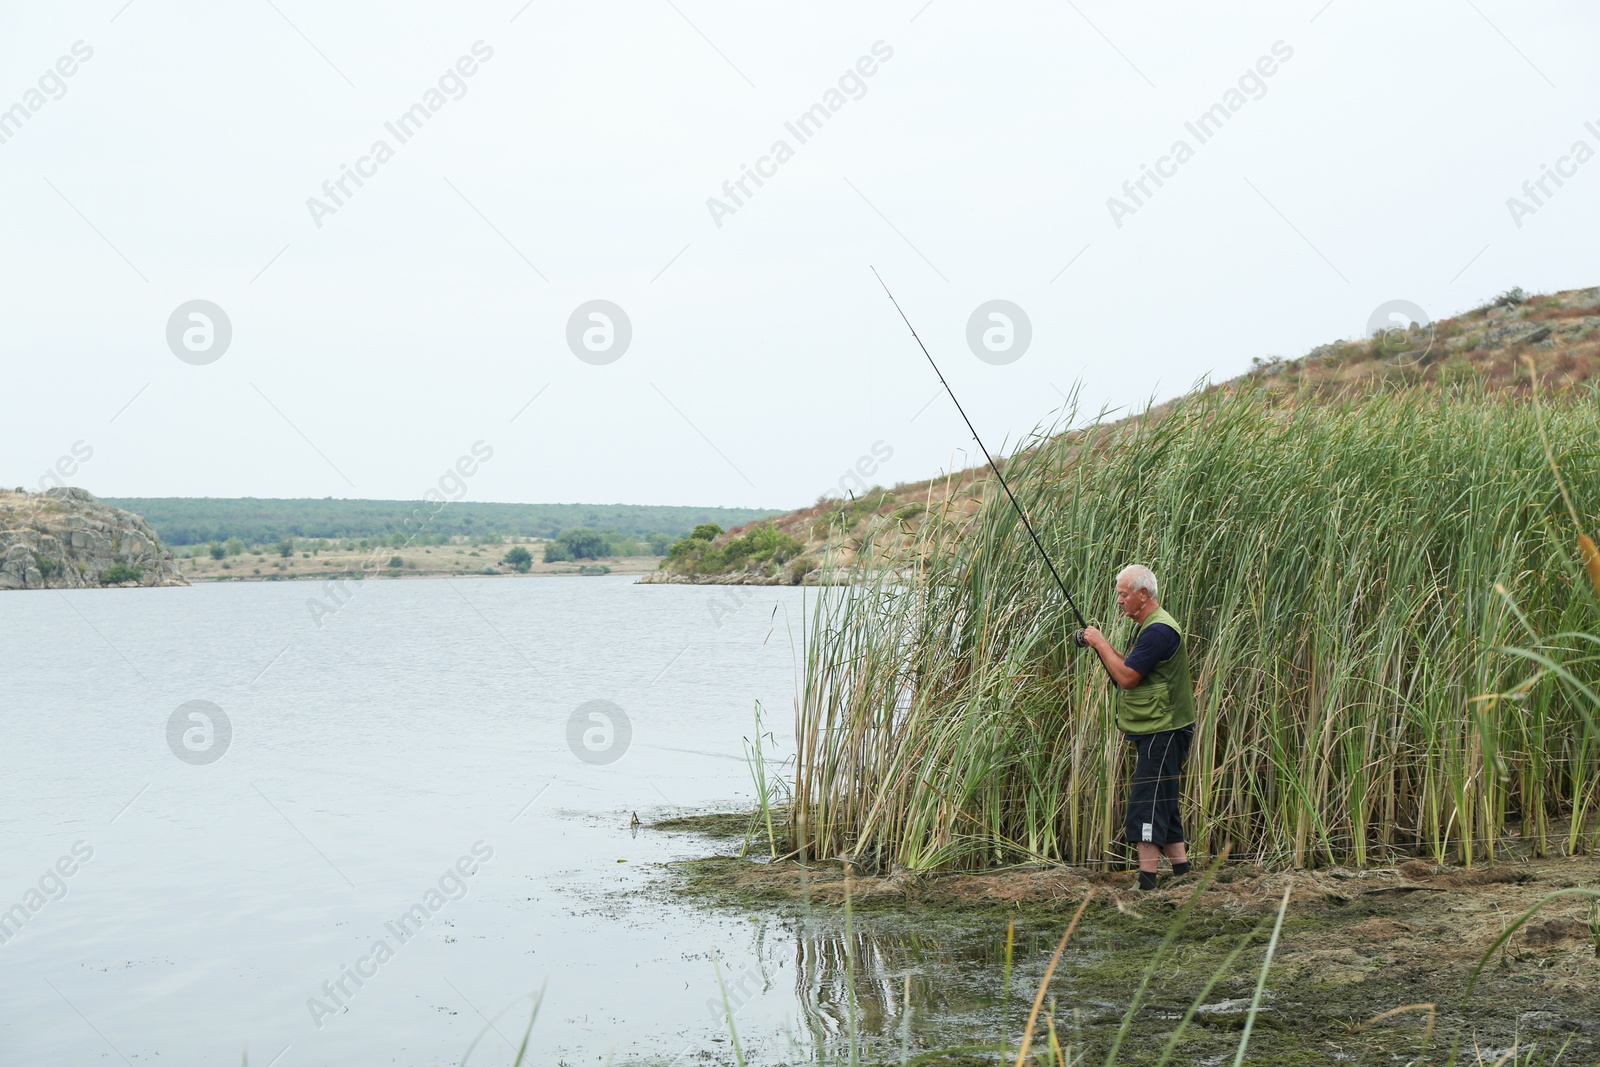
260 521
575 544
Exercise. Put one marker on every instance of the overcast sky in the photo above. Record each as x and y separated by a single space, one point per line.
967 151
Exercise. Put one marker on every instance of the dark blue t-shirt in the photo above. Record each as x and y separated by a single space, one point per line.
1155 643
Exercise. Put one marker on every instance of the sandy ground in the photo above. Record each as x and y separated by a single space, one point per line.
431 561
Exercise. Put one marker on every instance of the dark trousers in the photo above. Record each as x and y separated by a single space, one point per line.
1153 793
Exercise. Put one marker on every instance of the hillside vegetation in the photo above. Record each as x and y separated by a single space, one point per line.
1481 349
1356 550
1348 572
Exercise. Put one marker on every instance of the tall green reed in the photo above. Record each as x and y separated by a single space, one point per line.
1336 567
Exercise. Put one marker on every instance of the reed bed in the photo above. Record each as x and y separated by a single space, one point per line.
1349 575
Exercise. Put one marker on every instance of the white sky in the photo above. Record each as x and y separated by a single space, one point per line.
765 360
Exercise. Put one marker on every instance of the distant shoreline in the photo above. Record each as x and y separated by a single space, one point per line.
348 576
188 521
435 561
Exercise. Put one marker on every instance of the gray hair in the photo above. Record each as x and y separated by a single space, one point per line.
1140 577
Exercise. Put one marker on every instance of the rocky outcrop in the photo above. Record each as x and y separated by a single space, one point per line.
67 539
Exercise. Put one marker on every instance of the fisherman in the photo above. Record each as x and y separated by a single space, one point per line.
1155 710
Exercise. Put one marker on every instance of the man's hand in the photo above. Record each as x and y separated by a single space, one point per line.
1120 673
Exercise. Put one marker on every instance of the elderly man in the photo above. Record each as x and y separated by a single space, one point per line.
1155 710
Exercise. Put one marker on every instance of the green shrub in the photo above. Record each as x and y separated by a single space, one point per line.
217 550
763 546
520 558
585 544
556 552
594 568
46 565
235 547
689 547
285 548
706 531
120 572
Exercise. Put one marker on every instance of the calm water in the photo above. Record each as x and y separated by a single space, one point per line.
415 749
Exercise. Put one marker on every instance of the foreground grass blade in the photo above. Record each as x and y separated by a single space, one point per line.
1521 921
1200 998
1261 982
538 999
1044 983
1174 928
1005 987
1427 1034
727 1009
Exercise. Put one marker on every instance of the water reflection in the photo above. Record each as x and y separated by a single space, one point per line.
947 972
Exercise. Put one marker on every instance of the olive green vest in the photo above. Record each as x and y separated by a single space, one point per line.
1164 699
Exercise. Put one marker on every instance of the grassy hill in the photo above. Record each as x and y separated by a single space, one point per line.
1380 569
1481 349
196 520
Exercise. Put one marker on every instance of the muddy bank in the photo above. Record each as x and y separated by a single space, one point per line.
1355 944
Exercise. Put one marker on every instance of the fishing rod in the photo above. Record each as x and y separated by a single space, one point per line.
1082 623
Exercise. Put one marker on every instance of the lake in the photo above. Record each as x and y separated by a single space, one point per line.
219 802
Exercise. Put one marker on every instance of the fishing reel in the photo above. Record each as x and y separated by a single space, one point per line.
1077 639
